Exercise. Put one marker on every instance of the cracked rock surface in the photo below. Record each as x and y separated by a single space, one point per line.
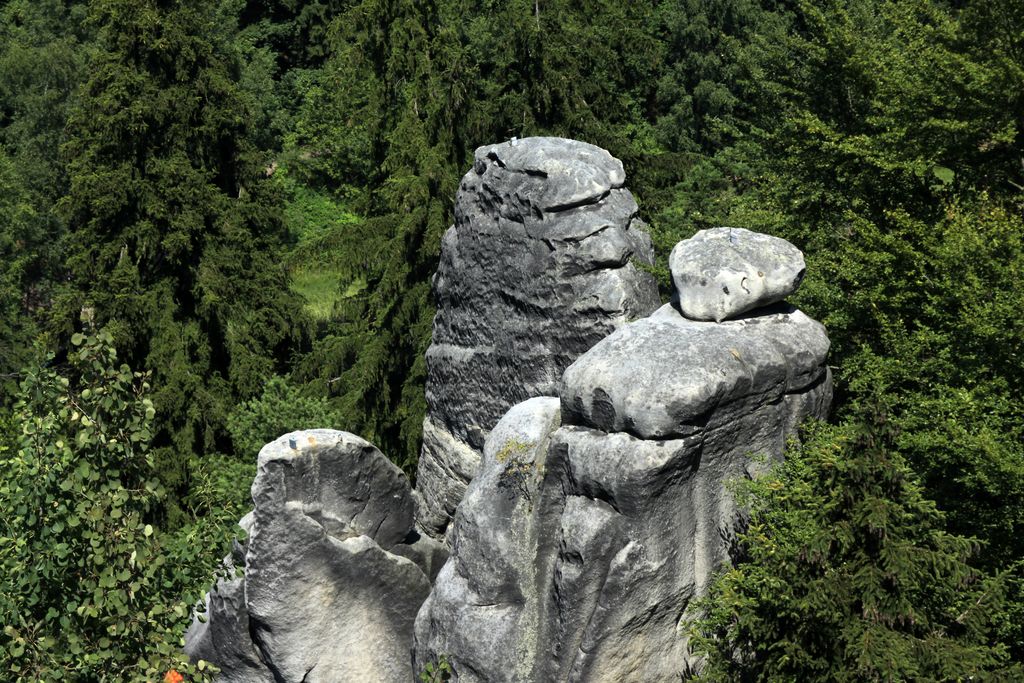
599 516
334 572
539 266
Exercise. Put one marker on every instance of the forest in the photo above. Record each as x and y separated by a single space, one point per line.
219 220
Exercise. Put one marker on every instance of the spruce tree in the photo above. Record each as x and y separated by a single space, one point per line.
173 237
848 575
43 47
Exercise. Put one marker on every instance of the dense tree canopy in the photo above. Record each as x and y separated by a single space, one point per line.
173 239
250 196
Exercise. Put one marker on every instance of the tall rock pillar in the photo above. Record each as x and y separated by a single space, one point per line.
599 516
539 266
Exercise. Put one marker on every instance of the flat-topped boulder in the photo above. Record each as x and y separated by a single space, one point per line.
724 272
668 376
340 481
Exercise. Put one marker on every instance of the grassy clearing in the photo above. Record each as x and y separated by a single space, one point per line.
320 287
313 216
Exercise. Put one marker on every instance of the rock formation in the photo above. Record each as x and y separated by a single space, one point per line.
723 272
596 519
599 507
537 269
334 572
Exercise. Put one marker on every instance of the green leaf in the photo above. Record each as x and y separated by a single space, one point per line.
945 175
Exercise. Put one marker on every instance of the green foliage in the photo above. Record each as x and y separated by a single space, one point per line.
311 214
88 590
318 223
436 672
926 316
41 63
319 287
20 244
247 189
43 50
848 576
903 197
279 410
173 237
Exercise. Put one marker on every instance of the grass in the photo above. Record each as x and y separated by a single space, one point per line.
320 287
312 215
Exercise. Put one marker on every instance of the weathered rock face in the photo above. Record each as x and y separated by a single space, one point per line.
596 520
597 445
334 572
667 376
487 589
724 272
537 269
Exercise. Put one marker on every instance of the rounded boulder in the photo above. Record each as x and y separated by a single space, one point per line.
722 273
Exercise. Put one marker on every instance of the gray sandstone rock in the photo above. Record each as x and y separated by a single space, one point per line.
484 600
334 571
576 456
339 481
586 573
668 376
223 636
537 268
724 272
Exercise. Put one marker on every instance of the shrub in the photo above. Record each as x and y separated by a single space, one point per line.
281 409
87 590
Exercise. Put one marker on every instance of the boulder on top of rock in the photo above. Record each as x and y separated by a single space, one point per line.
578 549
668 376
724 272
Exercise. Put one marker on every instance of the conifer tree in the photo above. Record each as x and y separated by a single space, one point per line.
848 575
172 231
42 55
